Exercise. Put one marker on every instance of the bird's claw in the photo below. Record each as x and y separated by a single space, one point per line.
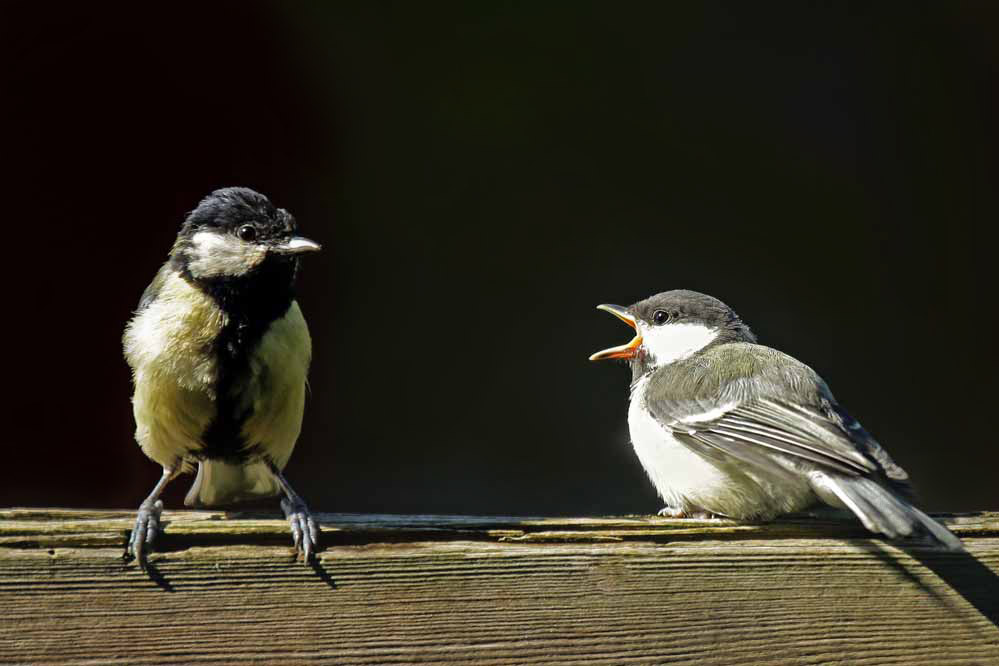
147 527
304 530
674 512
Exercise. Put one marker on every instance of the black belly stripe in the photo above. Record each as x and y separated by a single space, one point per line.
252 303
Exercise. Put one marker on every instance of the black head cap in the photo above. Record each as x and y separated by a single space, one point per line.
227 209
685 306
241 249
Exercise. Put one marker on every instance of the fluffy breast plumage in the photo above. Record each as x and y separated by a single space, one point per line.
274 394
169 346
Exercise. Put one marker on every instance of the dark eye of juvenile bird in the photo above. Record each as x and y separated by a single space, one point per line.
661 317
247 232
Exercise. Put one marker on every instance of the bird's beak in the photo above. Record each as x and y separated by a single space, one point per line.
297 245
627 351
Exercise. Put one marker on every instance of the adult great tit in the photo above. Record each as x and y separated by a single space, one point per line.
219 353
725 426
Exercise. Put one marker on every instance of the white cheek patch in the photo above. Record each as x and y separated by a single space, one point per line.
675 342
216 254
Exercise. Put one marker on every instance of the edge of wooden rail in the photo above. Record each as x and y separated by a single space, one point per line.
396 589
83 528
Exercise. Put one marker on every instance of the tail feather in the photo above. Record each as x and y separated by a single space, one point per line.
937 531
219 483
884 512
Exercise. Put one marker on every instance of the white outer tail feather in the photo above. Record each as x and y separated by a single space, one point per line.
882 511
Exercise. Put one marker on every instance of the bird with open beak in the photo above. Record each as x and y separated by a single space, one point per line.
724 426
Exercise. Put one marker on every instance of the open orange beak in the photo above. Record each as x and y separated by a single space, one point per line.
627 351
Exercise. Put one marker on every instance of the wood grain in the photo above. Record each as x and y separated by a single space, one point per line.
493 590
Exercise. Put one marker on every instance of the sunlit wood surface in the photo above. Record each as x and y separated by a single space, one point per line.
226 588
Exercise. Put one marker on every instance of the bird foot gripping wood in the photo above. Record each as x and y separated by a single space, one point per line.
147 527
304 530
674 512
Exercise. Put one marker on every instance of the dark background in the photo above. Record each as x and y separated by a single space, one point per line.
481 175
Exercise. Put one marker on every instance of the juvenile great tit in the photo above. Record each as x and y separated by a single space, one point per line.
219 353
725 426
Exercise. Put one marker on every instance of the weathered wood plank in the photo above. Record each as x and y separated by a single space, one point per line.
493 590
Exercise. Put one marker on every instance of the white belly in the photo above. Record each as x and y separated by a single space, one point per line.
676 472
687 481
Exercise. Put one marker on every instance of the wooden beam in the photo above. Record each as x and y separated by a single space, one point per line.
225 588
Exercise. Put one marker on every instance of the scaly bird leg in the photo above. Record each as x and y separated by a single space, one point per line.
147 521
304 530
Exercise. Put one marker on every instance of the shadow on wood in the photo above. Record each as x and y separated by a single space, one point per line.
493 590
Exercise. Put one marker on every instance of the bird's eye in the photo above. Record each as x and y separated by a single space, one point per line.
247 232
661 317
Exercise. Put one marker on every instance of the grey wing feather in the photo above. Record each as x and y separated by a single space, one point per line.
735 430
761 406
897 477
768 404
791 430
721 452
